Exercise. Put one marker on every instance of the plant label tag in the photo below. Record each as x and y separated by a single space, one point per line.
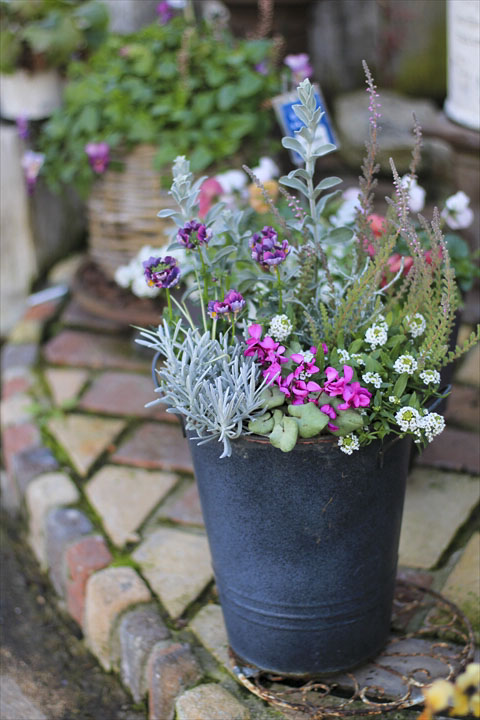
289 122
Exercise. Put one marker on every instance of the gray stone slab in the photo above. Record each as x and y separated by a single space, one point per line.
210 702
63 525
14 704
436 505
209 627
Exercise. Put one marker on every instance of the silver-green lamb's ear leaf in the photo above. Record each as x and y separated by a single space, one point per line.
301 113
299 172
323 149
293 144
341 234
166 213
224 252
294 183
327 183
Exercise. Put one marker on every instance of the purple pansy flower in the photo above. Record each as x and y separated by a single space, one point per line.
161 272
22 127
31 164
98 156
300 66
262 67
232 303
164 12
266 248
194 234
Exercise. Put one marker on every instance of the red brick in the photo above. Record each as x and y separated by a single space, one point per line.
18 356
17 438
464 407
453 450
84 349
170 670
76 316
82 558
156 445
121 393
43 311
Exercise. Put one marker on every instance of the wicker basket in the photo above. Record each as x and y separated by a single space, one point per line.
122 211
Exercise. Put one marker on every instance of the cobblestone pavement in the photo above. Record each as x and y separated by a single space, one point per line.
107 491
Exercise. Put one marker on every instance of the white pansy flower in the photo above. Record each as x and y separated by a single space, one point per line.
376 335
348 443
280 328
408 418
430 377
416 324
457 213
141 289
266 170
372 378
432 424
405 364
416 193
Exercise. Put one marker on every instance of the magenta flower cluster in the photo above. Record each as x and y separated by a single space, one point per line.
232 304
193 234
266 248
161 272
297 385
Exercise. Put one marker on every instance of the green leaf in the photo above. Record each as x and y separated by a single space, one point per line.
341 234
227 96
400 385
250 83
200 159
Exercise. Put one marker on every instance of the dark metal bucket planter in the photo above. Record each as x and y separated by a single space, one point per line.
304 547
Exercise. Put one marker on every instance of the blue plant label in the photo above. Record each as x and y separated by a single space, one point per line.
289 122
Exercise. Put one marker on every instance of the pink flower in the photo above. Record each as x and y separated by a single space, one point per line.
300 66
335 384
98 156
298 388
209 190
330 411
355 396
306 367
268 352
378 224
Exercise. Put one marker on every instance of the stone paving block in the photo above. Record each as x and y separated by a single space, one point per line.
9 494
109 592
15 410
210 702
436 506
121 393
82 558
177 566
29 463
14 704
65 384
18 382
45 492
75 315
184 509
85 437
136 634
171 669
464 407
156 445
90 350
463 584
209 627
17 439
18 356
453 450
469 371
62 525
26 331
43 311
124 497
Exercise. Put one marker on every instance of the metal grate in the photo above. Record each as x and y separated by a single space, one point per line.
431 638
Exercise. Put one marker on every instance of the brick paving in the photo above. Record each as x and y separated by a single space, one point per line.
107 489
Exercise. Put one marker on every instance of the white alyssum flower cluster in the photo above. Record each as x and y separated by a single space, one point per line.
430 377
344 355
377 334
348 443
432 424
280 328
416 325
408 418
372 378
405 364
358 359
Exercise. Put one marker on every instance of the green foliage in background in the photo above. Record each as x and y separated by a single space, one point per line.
41 34
185 89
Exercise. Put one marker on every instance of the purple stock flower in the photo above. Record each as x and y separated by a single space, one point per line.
31 164
233 302
161 272
262 67
164 12
266 248
98 156
194 234
22 127
300 66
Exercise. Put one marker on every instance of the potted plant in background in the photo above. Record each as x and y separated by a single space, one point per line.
309 377
172 87
37 40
